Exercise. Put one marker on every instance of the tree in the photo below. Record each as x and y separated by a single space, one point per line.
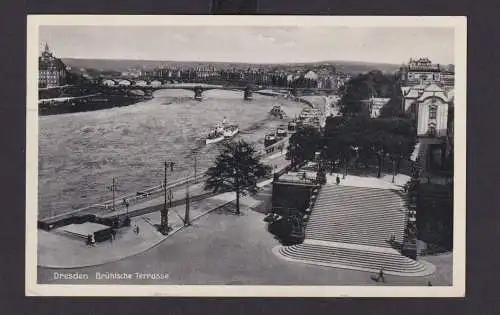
362 87
237 168
393 108
304 143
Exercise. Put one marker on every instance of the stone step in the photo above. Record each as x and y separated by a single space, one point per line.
347 198
353 220
360 222
387 213
340 253
340 193
356 218
346 229
352 239
367 195
352 202
353 258
377 242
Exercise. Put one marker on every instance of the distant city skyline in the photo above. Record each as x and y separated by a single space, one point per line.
246 44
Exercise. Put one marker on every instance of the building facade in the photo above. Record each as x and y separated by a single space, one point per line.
51 70
420 71
423 72
431 106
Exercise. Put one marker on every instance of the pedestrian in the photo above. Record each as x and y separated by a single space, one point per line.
381 275
92 240
337 180
89 240
393 237
137 229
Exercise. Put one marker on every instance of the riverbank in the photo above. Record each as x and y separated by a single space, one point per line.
131 143
98 101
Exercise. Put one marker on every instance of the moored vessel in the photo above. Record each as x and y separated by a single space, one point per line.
281 132
269 140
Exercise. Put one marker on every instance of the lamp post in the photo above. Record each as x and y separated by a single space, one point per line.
186 216
113 190
164 212
393 169
195 168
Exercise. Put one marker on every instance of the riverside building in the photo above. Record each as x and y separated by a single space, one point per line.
51 70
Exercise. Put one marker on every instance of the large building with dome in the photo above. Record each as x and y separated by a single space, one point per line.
51 70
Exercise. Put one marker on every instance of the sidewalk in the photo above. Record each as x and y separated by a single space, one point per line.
58 250
384 182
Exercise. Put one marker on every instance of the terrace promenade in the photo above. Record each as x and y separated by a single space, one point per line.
58 249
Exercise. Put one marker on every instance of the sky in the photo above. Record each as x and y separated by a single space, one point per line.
253 44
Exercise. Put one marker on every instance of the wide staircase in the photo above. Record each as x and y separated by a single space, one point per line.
352 227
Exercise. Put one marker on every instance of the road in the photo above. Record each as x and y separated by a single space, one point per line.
222 248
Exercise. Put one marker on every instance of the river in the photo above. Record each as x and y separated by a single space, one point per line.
80 153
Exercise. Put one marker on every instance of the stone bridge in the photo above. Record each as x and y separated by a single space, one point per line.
199 88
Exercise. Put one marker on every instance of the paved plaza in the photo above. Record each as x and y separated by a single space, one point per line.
222 248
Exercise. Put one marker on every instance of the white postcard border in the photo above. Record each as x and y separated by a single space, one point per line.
32 288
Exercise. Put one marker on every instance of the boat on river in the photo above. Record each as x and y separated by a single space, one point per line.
216 134
277 111
281 131
269 140
230 131
222 131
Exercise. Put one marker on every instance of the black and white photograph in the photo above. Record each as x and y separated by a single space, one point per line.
246 156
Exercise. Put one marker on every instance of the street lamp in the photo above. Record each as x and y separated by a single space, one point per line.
164 212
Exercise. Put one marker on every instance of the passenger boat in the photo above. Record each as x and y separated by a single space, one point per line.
281 132
269 140
230 131
277 111
215 135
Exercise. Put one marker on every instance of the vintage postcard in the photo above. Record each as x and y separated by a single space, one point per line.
281 156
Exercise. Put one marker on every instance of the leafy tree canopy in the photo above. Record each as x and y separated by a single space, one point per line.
305 142
362 87
236 168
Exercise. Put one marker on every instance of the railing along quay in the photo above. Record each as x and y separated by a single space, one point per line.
131 198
